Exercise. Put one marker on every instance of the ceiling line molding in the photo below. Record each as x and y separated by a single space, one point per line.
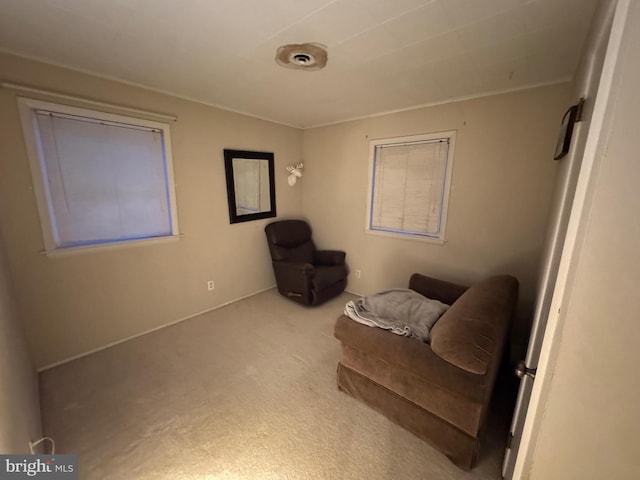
445 102
35 58
270 120
86 101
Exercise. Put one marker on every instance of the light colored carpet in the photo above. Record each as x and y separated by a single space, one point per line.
247 392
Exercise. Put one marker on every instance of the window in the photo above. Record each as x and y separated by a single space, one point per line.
99 178
409 185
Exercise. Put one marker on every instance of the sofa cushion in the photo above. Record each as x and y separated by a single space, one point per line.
474 327
461 448
410 355
459 410
446 292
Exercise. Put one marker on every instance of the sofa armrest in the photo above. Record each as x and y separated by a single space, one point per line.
328 257
445 292
472 334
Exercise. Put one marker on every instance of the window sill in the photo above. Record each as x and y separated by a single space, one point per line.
408 236
88 249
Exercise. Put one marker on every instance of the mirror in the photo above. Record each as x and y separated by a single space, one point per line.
251 190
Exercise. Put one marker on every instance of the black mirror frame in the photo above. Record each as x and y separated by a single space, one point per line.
229 155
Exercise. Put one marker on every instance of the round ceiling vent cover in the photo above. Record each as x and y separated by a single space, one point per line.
302 56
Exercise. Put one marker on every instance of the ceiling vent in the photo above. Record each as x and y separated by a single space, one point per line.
303 56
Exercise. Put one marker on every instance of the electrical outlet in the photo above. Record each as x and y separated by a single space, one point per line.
210 285
358 273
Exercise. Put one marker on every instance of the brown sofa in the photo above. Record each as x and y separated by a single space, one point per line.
439 391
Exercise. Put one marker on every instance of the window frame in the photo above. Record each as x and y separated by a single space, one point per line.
440 237
27 108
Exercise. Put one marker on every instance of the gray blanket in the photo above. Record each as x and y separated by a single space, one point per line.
401 311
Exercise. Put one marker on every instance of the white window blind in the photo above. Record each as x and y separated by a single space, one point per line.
409 187
99 180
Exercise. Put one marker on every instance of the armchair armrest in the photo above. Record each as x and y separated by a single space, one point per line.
328 257
294 279
295 270
445 292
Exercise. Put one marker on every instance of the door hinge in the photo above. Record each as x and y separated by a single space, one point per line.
509 440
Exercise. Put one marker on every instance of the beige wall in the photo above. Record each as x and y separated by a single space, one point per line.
19 409
78 303
502 183
591 422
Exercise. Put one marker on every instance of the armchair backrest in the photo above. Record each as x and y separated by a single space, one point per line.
290 241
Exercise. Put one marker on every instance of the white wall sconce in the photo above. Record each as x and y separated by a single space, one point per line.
295 172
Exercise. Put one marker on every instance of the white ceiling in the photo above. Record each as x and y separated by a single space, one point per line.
383 54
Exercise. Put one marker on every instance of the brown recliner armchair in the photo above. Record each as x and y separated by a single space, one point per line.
304 274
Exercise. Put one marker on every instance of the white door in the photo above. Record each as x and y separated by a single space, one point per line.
561 208
587 85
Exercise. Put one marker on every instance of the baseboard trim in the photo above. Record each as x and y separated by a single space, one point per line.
355 293
126 339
